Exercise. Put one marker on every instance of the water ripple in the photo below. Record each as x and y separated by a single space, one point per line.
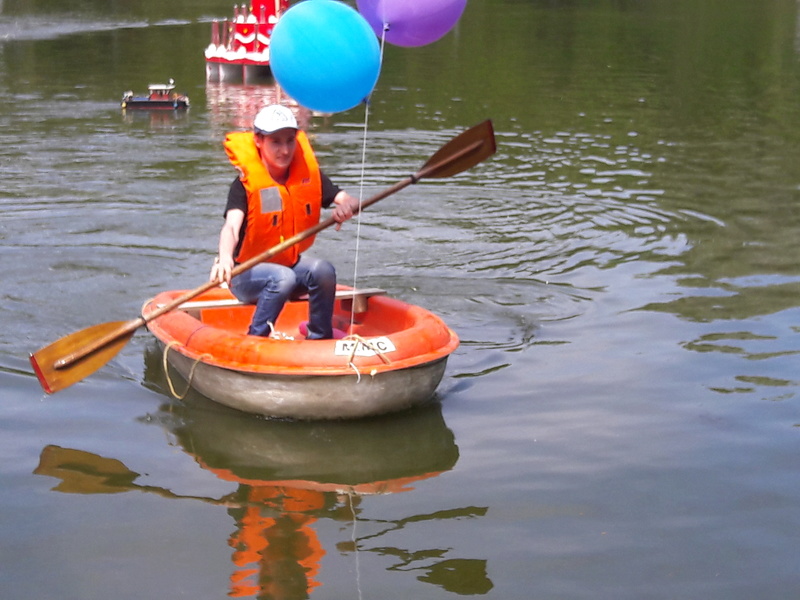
54 26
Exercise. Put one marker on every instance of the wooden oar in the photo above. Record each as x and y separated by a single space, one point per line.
78 355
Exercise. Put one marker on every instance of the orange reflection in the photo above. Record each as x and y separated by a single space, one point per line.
287 477
276 556
276 551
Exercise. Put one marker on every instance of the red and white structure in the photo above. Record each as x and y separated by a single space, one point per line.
239 48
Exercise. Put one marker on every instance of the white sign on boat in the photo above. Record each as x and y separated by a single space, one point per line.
371 347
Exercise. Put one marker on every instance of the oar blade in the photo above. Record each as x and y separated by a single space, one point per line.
53 378
462 152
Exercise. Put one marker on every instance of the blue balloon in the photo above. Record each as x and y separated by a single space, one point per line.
325 55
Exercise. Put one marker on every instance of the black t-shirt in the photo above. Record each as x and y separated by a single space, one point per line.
237 198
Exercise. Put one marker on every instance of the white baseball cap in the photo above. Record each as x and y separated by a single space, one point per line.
272 118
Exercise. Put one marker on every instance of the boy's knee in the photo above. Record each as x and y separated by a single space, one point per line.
323 271
285 283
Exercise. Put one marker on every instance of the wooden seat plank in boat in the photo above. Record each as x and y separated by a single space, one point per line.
358 298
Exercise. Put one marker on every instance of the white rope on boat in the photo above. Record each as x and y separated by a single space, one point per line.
165 365
274 334
367 344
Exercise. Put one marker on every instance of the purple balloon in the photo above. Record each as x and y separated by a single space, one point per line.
411 22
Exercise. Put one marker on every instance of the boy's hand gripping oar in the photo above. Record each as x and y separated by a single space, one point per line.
78 355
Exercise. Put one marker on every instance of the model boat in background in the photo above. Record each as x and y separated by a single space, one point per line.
160 96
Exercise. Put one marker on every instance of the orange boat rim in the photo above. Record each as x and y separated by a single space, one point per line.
391 355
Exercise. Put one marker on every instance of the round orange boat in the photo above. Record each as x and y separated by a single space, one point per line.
392 356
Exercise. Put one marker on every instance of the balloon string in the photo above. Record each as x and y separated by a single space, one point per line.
354 539
361 185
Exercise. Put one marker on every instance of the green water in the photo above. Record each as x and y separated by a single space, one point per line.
621 418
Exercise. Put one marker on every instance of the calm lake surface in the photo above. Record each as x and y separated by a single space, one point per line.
622 418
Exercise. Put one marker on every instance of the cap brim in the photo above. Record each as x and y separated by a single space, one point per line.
263 132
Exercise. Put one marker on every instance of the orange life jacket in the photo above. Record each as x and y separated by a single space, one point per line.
276 212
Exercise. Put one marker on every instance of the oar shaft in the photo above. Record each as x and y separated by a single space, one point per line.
426 171
131 326
267 254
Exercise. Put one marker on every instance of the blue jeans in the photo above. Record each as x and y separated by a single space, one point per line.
269 286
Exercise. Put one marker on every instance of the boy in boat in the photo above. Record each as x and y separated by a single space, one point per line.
279 193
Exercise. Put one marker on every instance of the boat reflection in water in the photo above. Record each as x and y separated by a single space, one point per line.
289 475
156 119
233 106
